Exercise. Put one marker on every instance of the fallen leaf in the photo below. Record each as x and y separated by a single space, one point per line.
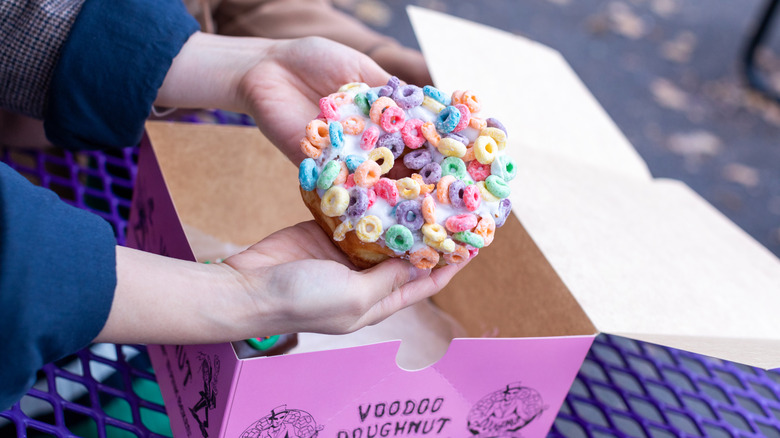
669 95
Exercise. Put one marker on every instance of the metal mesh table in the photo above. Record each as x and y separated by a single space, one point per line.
624 388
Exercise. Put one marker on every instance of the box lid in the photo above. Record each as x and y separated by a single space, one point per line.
644 258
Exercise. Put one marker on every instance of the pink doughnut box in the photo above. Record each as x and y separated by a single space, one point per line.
595 245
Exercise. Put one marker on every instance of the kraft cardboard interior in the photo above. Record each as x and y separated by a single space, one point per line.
647 259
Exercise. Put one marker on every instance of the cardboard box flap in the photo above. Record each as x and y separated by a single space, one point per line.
650 259
526 85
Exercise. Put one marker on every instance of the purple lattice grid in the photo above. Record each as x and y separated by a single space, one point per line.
625 387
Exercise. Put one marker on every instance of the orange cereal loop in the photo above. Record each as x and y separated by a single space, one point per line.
443 189
424 258
341 178
469 154
477 123
428 130
340 98
317 133
429 209
424 188
309 149
486 228
471 101
367 174
353 125
460 255
457 97
379 106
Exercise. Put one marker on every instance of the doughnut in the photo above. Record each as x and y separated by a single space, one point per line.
402 171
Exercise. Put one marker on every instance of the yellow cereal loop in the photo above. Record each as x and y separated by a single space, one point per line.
369 228
434 232
485 149
446 246
449 147
485 193
432 105
335 201
496 134
385 155
408 188
341 231
350 87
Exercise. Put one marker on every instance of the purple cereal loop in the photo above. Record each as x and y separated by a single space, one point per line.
409 214
460 137
393 82
494 123
417 158
358 203
455 192
385 91
431 173
408 96
393 141
504 207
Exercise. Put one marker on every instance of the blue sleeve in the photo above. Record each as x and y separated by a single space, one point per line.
57 280
110 69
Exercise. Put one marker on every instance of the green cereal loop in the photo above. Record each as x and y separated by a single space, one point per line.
399 238
454 166
504 166
263 345
362 102
497 186
469 238
328 175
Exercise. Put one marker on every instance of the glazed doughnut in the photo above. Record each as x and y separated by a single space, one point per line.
404 171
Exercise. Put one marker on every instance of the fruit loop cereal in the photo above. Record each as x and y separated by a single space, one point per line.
416 172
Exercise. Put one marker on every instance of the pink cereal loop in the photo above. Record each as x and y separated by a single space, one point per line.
429 132
353 125
317 133
329 109
429 209
350 182
367 174
341 178
411 133
340 98
460 255
424 258
379 107
369 138
465 116
460 222
471 197
392 119
371 197
443 188
386 189
477 170
309 149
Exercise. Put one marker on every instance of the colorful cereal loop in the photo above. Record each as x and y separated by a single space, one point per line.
340 98
362 102
392 119
436 94
424 188
411 133
328 175
485 193
408 188
371 97
335 201
369 138
352 86
309 149
459 255
469 154
340 233
469 238
424 258
329 109
471 197
477 123
430 134
454 166
353 161
446 246
447 119
368 229
465 116
434 232
486 228
336 135
367 174
317 133
308 174
485 149
385 155
353 125
450 147
443 189
479 171
432 105
497 186
460 222
378 107
386 189
471 100
496 134
504 167
341 178
429 209
399 238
